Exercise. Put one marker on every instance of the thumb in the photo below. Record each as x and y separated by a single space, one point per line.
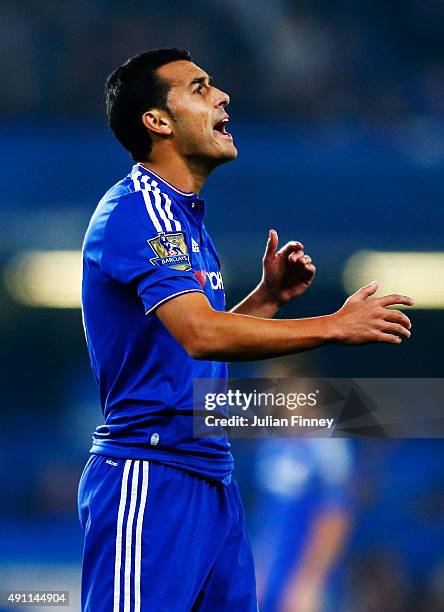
364 292
272 243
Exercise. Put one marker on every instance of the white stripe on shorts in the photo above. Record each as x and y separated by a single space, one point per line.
139 525
118 560
129 540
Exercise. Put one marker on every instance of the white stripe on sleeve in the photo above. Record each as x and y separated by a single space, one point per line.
150 209
148 204
135 179
170 214
158 202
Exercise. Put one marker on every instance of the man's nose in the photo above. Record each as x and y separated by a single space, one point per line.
221 98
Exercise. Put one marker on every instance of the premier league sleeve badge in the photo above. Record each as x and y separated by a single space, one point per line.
171 251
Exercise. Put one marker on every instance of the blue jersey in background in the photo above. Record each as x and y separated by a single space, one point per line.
298 481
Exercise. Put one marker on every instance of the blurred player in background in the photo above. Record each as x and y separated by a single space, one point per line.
163 521
302 518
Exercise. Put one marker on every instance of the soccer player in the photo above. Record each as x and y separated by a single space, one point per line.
162 518
311 479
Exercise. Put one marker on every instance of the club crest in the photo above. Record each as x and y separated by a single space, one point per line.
171 251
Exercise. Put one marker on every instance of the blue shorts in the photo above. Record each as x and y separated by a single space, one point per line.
160 539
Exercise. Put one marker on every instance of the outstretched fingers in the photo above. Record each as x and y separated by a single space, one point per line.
364 292
395 329
396 316
396 299
389 338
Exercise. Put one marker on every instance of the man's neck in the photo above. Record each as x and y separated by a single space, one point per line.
180 172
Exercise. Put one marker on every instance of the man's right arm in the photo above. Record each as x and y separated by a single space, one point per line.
223 336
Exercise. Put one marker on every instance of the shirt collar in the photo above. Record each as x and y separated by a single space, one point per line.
189 198
184 194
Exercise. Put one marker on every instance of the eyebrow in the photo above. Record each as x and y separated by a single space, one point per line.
202 79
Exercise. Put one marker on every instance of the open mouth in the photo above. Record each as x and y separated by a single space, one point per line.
220 128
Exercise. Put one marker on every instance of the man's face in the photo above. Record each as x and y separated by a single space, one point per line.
199 113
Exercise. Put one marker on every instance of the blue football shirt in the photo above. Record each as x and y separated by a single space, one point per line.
146 244
299 480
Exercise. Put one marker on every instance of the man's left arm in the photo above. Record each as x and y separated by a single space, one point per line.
286 274
306 585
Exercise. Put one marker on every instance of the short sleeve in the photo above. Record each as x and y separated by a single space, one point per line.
152 259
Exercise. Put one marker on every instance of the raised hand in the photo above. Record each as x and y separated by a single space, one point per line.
287 273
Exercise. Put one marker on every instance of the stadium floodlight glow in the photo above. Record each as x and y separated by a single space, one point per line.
46 279
419 275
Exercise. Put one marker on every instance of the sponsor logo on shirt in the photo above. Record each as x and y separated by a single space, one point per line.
200 277
194 246
215 278
171 250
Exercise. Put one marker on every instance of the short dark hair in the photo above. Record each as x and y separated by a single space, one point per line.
131 90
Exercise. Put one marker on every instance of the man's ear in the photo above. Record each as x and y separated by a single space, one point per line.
157 121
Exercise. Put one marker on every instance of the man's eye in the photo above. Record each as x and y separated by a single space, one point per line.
198 89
